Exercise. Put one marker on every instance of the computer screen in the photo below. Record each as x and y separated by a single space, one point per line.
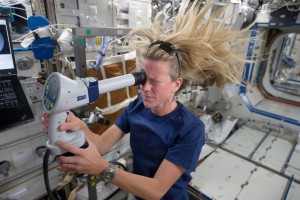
6 57
14 106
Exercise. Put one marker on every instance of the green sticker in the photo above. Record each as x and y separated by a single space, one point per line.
80 41
88 31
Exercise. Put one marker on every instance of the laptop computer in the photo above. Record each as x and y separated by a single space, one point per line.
14 107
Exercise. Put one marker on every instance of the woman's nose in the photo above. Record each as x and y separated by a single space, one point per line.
146 86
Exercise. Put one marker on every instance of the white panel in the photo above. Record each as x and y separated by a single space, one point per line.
224 176
254 96
67 12
22 157
264 185
139 14
221 175
34 90
273 152
281 109
294 192
33 188
294 164
244 141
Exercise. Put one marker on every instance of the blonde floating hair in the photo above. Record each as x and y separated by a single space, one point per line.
208 49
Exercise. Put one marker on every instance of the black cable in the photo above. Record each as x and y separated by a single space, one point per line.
119 165
46 175
112 194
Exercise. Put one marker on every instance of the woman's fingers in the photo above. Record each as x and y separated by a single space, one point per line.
45 121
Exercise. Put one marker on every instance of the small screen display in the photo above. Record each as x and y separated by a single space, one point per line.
51 92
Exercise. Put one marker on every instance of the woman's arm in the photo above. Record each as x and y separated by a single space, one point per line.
106 140
149 188
90 161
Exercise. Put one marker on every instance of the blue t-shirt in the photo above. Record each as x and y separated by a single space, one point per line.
177 137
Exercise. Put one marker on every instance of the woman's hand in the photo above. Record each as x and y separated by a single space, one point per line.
45 121
73 123
87 161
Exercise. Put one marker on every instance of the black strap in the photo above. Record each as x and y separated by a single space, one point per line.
119 164
35 35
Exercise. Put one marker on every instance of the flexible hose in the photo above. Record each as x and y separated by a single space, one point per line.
46 175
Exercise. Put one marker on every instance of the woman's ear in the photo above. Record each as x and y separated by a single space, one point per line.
178 83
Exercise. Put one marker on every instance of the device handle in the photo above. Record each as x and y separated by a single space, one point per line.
75 138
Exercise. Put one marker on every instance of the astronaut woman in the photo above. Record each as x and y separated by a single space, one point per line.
165 138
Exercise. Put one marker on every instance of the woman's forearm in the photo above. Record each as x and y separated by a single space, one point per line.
141 186
106 140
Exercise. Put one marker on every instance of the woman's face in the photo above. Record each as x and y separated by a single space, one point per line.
159 89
